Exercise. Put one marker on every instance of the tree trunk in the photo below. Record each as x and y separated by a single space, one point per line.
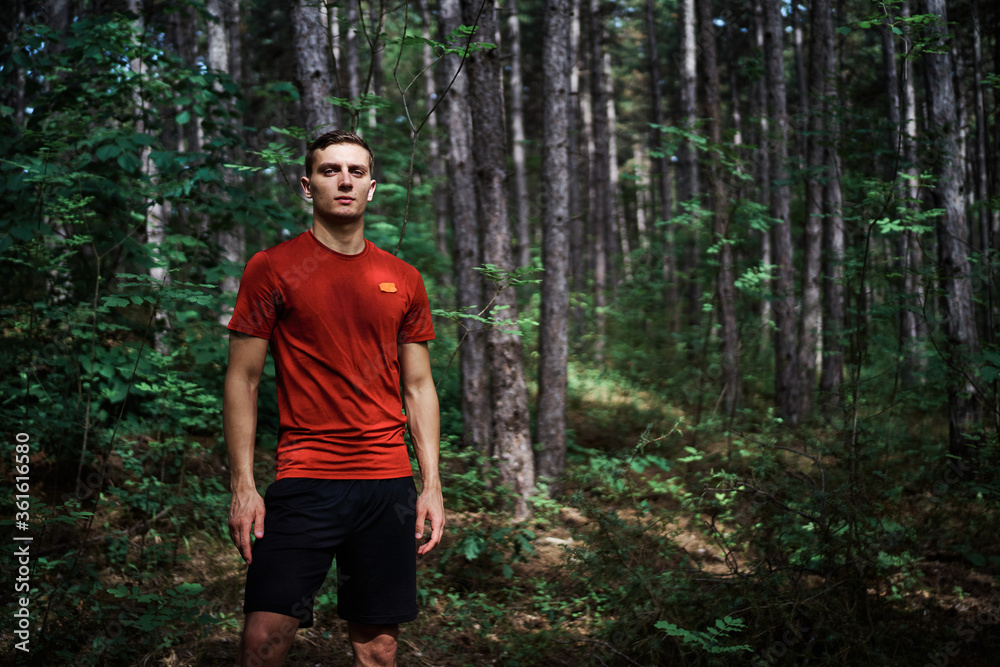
953 243
687 182
576 148
554 333
353 60
518 140
468 282
803 112
600 185
376 18
820 73
618 240
332 23
510 435
731 390
312 65
232 242
914 327
787 387
982 193
437 165
762 161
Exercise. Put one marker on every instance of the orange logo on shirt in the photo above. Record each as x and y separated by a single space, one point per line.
387 287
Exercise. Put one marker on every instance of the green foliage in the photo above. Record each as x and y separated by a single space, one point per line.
709 640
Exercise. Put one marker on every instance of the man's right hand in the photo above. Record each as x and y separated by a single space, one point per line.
246 513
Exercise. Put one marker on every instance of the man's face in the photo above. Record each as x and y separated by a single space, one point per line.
340 186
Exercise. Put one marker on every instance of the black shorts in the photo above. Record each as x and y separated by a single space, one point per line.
368 525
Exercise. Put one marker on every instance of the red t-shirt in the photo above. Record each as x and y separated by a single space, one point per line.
333 322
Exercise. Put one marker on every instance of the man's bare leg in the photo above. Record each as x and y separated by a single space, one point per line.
374 645
266 639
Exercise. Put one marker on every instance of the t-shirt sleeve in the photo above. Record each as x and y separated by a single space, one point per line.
258 302
418 325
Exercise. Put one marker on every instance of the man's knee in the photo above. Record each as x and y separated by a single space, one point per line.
266 638
374 644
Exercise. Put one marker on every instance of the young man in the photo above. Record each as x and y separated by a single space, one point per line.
345 323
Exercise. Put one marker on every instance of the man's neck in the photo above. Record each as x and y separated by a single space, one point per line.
347 239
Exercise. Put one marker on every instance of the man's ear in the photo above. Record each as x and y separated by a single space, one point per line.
304 182
371 191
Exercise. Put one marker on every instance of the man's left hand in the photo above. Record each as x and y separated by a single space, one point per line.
430 507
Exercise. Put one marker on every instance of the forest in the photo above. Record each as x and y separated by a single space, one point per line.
717 335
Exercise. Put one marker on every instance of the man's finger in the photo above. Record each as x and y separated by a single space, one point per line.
421 519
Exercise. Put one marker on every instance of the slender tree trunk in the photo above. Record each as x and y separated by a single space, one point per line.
468 282
510 435
376 18
600 183
643 198
834 239
437 165
661 206
353 59
762 161
953 244
518 140
554 333
576 215
618 229
584 264
982 193
332 24
232 241
787 388
803 112
914 327
731 391
820 73
312 65
687 182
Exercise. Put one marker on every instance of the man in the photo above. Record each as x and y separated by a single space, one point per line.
346 323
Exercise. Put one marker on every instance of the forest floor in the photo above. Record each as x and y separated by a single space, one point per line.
535 613
497 593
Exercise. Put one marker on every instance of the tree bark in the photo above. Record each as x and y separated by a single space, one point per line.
468 282
437 165
762 162
232 242
353 59
731 391
953 243
820 73
600 185
312 65
518 140
510 435
687 182
554 333
787 387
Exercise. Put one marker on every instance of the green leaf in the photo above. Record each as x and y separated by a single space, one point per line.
183 118
108 151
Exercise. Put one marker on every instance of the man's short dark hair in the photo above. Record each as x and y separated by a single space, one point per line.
337 137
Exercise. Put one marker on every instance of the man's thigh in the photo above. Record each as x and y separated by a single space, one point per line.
305 521
377 564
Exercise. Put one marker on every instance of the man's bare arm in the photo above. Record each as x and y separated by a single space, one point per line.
247 355
424 418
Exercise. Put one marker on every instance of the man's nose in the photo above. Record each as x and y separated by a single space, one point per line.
344 181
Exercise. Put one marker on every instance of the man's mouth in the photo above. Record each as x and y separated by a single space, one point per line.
345 200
